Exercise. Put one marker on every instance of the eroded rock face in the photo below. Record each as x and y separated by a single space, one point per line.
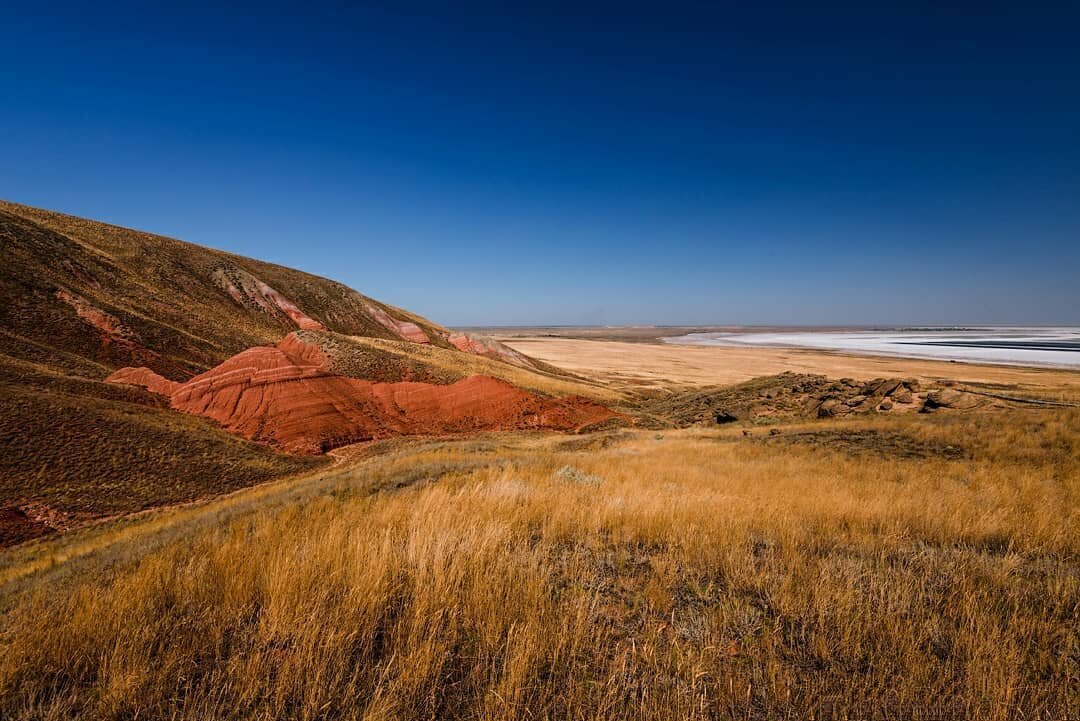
145 378
247 290
488 347
117 340
405 329
104 322
284 396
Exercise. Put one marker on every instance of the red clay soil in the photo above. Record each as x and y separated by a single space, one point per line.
285 397
245 289
96 317
116 339
146 378
405 329
486 347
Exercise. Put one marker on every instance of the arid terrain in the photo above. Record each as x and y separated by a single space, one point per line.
650 364
232 490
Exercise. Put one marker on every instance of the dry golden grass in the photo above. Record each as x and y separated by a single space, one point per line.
658 365
698 574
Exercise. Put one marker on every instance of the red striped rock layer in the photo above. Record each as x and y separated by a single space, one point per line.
284 396
246 289
488 347
146 378
407 330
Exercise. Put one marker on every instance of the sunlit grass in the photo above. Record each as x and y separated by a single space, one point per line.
694 575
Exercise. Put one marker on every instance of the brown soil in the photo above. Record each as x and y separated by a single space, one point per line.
110 454
17 527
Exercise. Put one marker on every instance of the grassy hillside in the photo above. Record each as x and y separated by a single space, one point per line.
169 299
79 299
83 448
694 574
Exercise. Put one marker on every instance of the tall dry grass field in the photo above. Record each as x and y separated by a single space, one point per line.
627 576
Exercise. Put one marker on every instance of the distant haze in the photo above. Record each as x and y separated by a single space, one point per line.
578 165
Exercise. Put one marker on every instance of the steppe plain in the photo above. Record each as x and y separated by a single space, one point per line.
233 490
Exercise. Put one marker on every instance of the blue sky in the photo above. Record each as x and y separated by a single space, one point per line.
569 164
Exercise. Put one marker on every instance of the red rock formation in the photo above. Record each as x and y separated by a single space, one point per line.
246 289
310 353
104 322
284 396
145 378
118 342
408 331
488 347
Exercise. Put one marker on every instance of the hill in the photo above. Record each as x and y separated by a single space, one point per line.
91 297
81 301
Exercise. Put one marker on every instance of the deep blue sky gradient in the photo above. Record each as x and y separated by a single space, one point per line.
654 163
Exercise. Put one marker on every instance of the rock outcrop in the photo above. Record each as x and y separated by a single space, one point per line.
145 378
284 396
406 329
489 347
790 396
950 398
249 291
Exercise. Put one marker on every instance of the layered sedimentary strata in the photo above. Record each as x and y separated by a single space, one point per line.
406 329
145 378
284 395
488 347
247 290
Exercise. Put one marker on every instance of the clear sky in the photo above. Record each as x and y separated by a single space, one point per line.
565 163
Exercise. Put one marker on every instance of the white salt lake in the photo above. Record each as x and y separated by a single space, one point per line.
1059 347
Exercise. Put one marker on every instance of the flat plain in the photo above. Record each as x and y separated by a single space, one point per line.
651 364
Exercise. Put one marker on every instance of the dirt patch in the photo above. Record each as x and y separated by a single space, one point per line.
887 444
17 526
593 442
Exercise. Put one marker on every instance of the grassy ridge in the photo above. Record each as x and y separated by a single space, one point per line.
392 361
699 574
80 298
166 293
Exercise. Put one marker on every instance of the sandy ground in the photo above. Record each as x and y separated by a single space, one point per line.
659 365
